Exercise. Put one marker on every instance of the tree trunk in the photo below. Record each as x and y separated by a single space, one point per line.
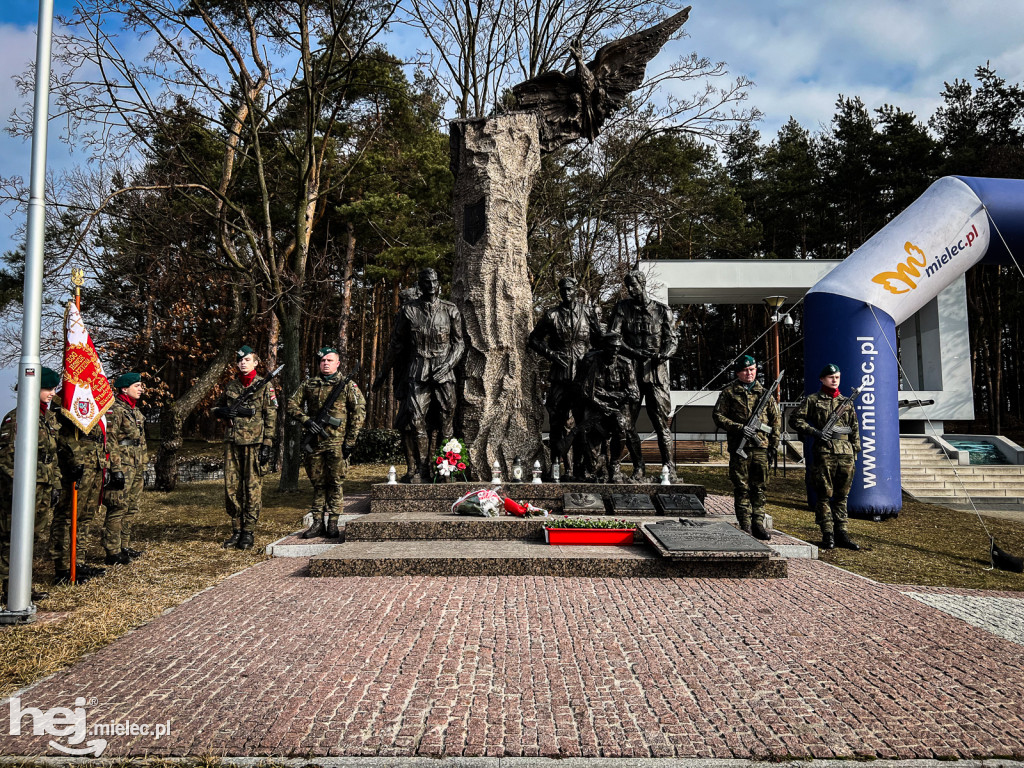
494 162
292 377
346 295
173 415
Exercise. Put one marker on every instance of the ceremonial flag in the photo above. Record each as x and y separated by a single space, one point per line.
86 394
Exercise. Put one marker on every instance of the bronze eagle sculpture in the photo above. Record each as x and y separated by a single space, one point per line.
575 104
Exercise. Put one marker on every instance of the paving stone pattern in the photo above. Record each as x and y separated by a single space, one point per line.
823 664
1003 616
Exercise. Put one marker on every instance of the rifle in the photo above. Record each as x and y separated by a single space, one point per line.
323 418
248 395
755 419
830 427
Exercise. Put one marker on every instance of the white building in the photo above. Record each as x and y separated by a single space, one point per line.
934 343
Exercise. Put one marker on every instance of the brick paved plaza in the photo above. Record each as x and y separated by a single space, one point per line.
822 664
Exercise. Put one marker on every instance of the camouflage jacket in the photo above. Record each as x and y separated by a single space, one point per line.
255 429
647 329
734 408
126 436
47 469
814 411
75 447
348 413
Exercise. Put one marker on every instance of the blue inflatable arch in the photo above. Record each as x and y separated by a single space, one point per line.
851 315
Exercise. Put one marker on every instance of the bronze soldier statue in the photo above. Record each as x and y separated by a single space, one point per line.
607 396
428 334
563 335
649 338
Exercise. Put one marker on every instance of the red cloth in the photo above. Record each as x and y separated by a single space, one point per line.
125 399
247 378
833 393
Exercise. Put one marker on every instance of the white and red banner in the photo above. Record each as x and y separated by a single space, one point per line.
86 394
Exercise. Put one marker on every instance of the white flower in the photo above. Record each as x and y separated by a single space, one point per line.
452 445
445 468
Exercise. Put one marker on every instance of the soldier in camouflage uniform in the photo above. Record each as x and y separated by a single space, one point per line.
83 459
834 456
126 441
733 413
47 474
327 464
248 448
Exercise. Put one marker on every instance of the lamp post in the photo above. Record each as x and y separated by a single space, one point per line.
774 304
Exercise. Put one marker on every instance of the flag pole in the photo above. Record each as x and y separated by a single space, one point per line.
77 278
26 444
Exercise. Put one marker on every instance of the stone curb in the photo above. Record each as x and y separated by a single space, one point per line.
497 762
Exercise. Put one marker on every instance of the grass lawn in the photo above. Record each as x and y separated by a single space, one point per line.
181 533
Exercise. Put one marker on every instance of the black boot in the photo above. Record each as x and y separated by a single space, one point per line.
745 526
332 528
315 530
246 540
61 577
84 572
118 558
231 540
133 554
843 540
760 532
828 541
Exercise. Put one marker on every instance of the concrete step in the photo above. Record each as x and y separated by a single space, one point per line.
526 558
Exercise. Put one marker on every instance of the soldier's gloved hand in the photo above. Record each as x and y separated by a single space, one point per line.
266 454
221 412
827 434
751 429
116 481
314 427
815 433
245 411
54 497
77 472
346 450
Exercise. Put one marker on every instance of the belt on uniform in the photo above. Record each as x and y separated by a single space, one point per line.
133 443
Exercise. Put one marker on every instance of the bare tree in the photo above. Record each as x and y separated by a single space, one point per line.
272 80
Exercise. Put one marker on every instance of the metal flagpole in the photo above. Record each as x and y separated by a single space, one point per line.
26 444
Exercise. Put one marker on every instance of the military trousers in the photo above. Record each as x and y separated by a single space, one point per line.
749 478
657 401
43 516
326 470
88 506
832 475
243 485
122 506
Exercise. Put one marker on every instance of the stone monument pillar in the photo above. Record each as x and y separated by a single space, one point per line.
494 161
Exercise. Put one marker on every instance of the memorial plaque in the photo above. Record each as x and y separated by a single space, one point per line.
681 504
689 538
582 504
632 504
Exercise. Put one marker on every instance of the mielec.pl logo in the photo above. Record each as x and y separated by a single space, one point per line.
69 724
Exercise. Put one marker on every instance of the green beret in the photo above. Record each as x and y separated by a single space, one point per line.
828 370
50 379
246 350
743 361
325 351
126 380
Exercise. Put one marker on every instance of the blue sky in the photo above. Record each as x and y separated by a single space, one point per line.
801 54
